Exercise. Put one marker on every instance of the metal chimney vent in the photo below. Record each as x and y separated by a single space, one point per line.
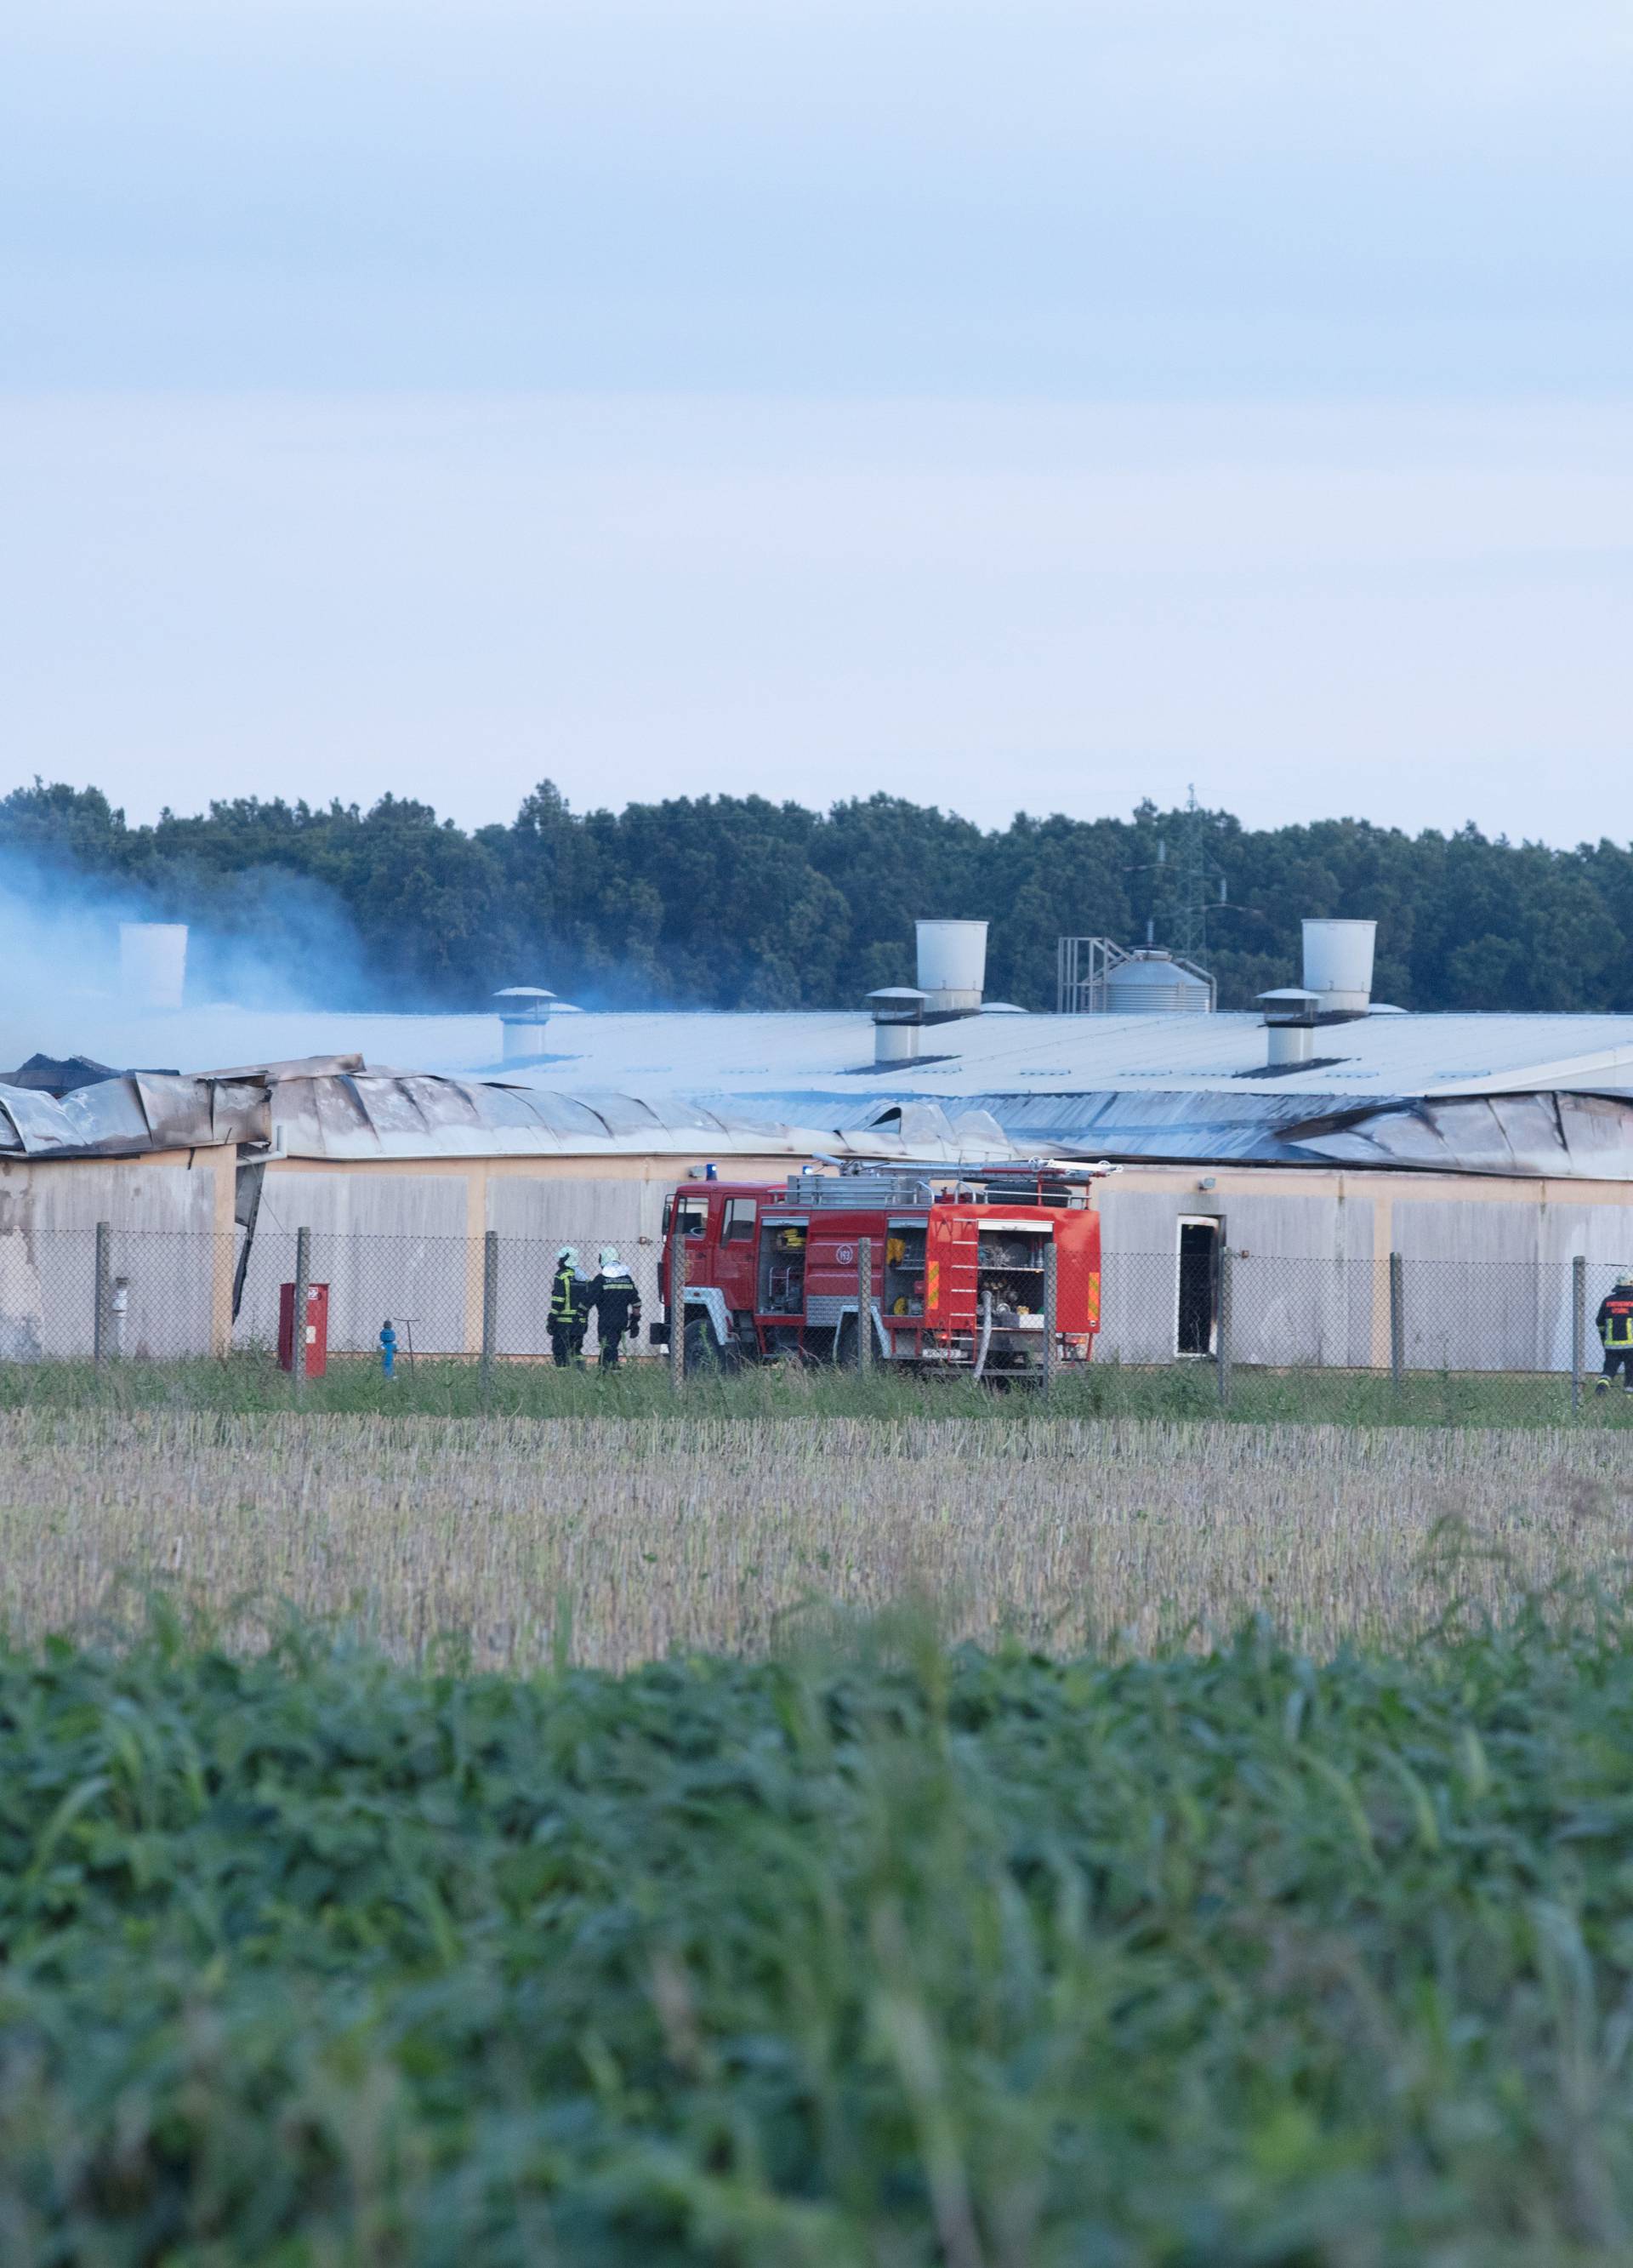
898 1012
524 1011
951 966
1338 965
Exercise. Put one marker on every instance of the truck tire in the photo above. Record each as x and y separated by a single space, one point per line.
705 1353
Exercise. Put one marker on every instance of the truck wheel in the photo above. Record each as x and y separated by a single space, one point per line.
704 1352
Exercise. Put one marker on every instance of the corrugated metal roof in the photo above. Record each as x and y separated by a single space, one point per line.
738 1054
1375 1056
336 1108
1393 1089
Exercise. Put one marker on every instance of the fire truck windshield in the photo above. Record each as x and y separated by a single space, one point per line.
691 1213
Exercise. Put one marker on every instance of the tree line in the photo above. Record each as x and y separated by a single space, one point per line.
729 902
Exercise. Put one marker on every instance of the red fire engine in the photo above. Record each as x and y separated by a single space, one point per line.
958 1265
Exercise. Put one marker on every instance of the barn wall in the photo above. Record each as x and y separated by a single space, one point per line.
1487 1263
170 1216
404 1242
1488 1260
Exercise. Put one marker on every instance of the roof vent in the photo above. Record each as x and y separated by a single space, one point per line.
1290 1014
951 966
524 1011
898 1013
1338 965
152 963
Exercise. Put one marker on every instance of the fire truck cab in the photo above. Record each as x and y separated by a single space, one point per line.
958 1261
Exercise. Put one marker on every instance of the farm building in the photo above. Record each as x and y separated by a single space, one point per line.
1315 1137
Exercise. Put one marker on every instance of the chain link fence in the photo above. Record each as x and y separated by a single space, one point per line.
135 1296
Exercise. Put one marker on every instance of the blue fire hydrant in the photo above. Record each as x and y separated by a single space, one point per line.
388 1351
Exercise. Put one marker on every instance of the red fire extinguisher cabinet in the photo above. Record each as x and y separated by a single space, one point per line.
316 1332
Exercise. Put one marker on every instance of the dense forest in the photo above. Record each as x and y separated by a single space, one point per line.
727 902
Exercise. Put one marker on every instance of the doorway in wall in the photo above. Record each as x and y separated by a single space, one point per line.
1197 1319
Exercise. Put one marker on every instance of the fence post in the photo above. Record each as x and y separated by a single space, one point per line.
1578 1327
677 1305
102 1313
1222 1327
864 1303
303 1285
1051 1307
1397 1320
490 1305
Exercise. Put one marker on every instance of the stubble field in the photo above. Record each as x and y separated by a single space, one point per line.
611 1541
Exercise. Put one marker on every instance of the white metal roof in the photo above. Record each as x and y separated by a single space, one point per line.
1168 1087
1373 1056
1376 1056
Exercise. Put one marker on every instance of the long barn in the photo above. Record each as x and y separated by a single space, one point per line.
1312 1139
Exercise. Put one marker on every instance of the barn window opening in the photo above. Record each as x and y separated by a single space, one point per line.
1198 1320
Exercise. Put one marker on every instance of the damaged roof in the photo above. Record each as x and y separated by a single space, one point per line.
336 1108
1561 1134
1529 1095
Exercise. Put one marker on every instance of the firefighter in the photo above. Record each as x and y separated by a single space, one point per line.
1616 1333
617 1305
570 1311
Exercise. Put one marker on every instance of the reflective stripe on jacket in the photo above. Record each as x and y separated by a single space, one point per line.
1615 1319
616 1301
568 1300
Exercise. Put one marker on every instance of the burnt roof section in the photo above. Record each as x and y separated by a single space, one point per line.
58 1075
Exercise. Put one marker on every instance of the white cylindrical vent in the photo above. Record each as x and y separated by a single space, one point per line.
898 1010
951 966
1338 965
1291 1043
152 963
524 1011
895 1043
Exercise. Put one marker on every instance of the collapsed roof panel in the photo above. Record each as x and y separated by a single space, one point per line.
335 1108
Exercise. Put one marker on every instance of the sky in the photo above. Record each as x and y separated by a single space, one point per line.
1031 404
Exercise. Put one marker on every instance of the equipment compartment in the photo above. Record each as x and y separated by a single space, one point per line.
1009 1271
782 1268
904 1268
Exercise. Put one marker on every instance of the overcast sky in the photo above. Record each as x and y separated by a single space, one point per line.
1036 404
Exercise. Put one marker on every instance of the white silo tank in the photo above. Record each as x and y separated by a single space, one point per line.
1338 965
1151 982
951 966
152 963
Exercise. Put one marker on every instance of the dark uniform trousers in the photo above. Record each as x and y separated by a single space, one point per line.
617 1305
1616 1331
569 1317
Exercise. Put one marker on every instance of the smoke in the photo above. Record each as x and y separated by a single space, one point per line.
264 941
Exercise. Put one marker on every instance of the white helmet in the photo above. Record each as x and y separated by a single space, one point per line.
570 1253
609 1255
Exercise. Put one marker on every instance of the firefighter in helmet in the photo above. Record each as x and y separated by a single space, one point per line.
1616 1333
617 1305
570 1311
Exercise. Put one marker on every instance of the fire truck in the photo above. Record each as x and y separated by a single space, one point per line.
958 1261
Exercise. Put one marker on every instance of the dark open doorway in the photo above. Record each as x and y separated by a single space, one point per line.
1196 1323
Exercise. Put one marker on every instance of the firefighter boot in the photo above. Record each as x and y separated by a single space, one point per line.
1601 1385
